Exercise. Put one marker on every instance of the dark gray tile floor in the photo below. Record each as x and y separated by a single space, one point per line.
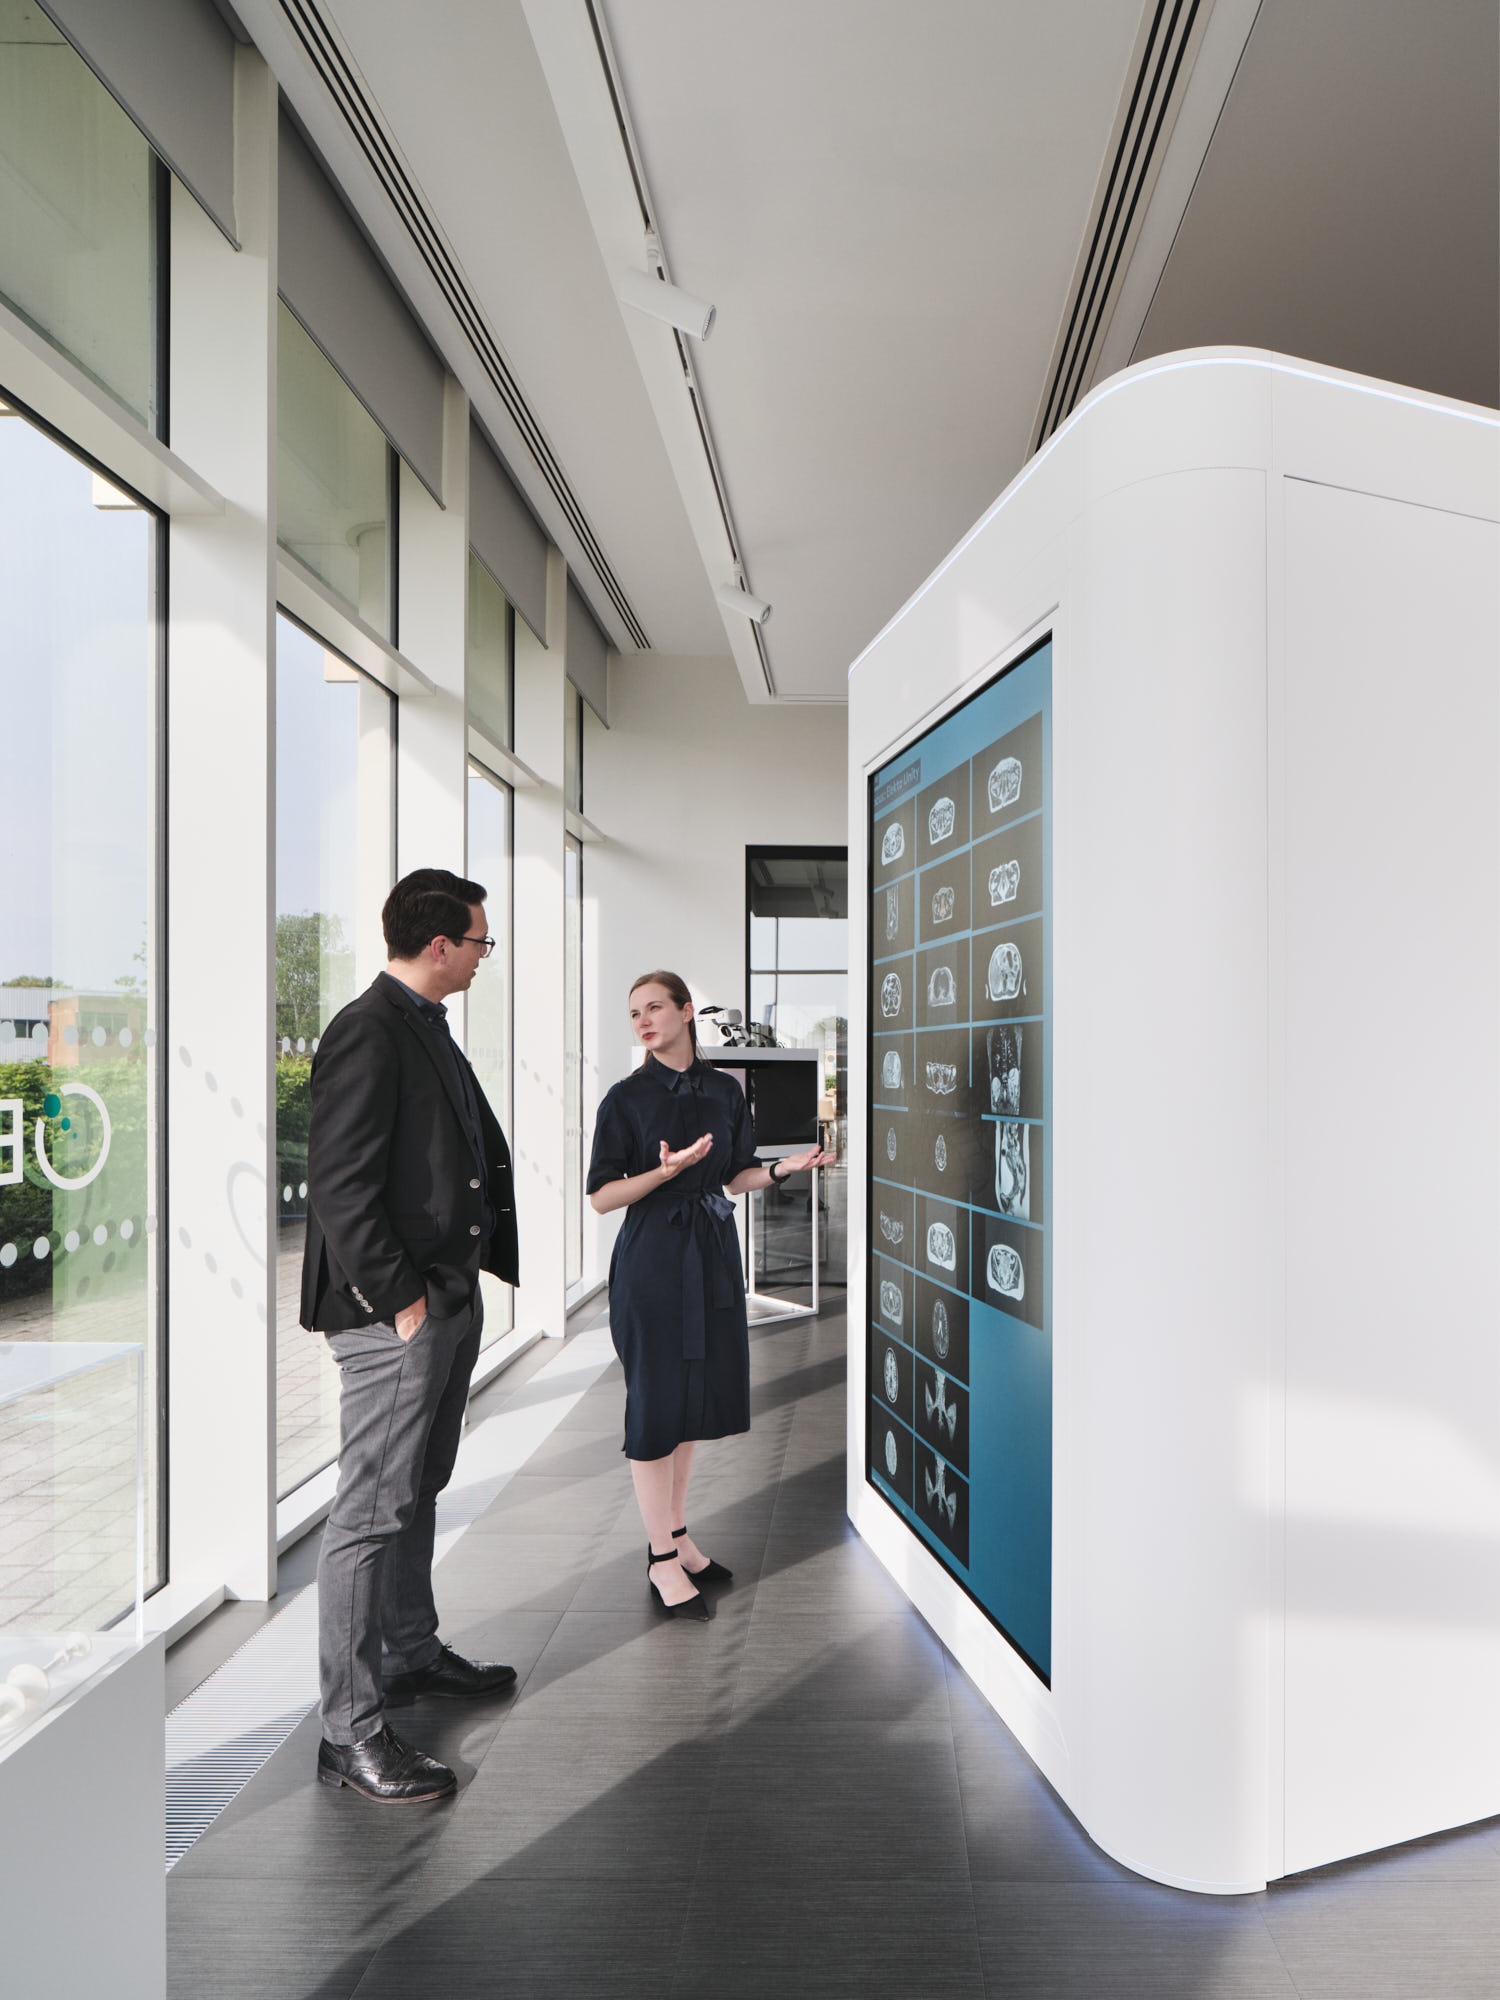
803 1797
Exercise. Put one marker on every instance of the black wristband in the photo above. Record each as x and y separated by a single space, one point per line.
775 1177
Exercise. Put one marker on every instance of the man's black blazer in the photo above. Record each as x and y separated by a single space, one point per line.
395 1201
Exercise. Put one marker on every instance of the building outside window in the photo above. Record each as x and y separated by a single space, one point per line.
335 850
335 479
82 216
797 904
80 1105
491 805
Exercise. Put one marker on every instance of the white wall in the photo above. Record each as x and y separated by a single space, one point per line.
687 776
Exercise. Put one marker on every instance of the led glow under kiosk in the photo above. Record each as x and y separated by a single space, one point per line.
1174 1396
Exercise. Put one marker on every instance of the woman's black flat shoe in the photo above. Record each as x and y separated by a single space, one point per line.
690 1607
711 1572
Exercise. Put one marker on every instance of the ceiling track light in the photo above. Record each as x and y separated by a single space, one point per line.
667 302
733 598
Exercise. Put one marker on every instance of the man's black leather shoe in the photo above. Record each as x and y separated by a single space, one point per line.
450 1678
386 1769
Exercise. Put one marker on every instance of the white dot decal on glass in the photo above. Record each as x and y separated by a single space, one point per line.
286 1194
70 1241
8 1255
236 1107
127 1229
150 1225
99 1038
40 1248
316 1040
286 1045
39 1034
150 1038
184 1057
126 1038
301 1044
184 1239
211 1261
7 1031
237 1288
70 1035
210 1079
302 1190
101 1233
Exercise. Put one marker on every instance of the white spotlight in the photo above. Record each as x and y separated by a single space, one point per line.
669 302
733 599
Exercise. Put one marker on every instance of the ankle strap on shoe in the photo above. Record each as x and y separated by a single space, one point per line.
678 1533
652 1557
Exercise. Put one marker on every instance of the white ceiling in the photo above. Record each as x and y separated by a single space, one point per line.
887 204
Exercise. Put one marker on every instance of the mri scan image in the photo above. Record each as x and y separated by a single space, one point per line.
890 1302
940 821
941 990
890 993
892 1456
893 846
892 1375
942 1078
942 905
890 1069
940 1153
1012 1170
1003 1046
940 1333
1005 784
938 1495
892 1230
939 1409
1005 1273
890 1142
893 912
941 1248
1004 979
1005 883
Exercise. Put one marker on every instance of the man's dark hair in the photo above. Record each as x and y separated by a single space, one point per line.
428 903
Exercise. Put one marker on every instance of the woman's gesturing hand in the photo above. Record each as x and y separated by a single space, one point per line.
672 1163
800 1162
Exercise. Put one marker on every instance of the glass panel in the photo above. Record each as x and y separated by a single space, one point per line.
333 477
78 215
491 653
335 741
573 1059
763 944
811 944
489 999
79 892
573 748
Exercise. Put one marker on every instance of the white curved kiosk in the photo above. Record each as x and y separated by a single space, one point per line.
1175 1357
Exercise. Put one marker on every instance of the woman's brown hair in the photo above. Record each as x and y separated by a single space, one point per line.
677 993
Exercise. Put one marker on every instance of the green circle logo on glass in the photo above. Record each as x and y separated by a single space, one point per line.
52 1106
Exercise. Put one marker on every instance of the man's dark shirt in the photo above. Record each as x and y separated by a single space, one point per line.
434 1017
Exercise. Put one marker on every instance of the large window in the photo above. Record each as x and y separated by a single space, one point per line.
79 1096
491 656
573 1058
335 825
82 210
335 479
489 1015
797 902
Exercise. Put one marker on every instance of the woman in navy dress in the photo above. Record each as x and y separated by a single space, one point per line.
671 1142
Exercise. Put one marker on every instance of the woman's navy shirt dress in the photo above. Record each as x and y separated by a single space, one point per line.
676 1285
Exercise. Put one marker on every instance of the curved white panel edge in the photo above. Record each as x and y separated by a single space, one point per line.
1226 1645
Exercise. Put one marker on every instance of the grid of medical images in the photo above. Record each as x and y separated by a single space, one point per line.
958 1020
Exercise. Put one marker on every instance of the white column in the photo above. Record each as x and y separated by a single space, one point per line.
220 1016
539 1025
432 742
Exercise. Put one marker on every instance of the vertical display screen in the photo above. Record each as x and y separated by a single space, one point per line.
959 1416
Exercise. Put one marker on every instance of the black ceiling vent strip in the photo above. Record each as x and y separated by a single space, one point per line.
1151 98
326 56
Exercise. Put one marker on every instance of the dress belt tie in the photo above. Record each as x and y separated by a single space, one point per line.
699 1212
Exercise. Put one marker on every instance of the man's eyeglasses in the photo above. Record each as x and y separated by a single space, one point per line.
486 944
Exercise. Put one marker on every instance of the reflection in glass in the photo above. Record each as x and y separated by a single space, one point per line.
334 842
573 1059
491 656
79 1096
78 211
334 478
489 1000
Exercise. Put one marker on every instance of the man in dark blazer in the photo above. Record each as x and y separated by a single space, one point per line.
410 1196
